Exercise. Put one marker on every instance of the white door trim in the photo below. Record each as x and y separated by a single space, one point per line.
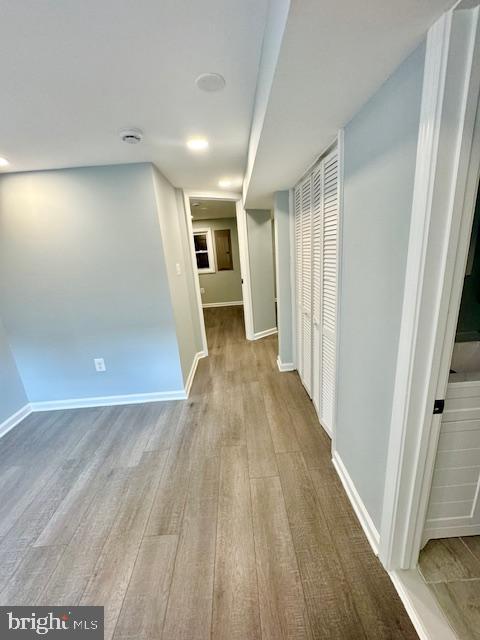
243 250
245 269
340 153
449 104
291 213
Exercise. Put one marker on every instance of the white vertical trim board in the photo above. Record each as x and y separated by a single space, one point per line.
193 263
292 276
245 269
361 512
341 152
421 605
450 95
15 419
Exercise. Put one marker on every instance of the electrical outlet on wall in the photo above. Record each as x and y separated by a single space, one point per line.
202 290
99 364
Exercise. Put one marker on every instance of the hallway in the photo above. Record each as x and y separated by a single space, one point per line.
220 516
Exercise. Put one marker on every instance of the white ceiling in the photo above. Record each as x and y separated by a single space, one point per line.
74 72
212 209
333 56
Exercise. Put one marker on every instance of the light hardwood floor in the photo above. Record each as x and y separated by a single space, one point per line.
451 568
217 517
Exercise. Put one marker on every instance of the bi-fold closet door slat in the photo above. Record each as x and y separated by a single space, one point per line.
329 293
316 278
317 264
307 328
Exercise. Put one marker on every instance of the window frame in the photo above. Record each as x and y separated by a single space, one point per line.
207 232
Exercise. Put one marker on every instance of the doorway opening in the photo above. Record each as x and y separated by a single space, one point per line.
217 261
450 558
216 225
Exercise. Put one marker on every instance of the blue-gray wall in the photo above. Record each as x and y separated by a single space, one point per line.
83 275
284 291
12 393
262 278
380 152
173 228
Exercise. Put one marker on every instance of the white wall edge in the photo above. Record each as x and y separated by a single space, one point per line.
234 303
422 608
285 366
361 512
15 419
264 334
193 265
193 370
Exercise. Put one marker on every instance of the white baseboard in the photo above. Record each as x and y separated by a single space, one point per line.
362 514
109 401
193 370
102 401
234 303
12 421
264 334
285 366
423 610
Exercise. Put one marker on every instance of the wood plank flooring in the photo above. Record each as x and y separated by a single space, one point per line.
217 517
451 568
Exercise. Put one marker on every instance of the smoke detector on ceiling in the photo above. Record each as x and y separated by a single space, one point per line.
131 136
210 82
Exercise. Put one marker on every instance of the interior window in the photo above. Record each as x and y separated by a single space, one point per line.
204 251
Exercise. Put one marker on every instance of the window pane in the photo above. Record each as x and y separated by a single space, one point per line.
200 242
202 261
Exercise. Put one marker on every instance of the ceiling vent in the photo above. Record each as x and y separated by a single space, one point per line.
131 136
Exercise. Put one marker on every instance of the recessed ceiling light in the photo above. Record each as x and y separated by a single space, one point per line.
210 82
197 144
4 162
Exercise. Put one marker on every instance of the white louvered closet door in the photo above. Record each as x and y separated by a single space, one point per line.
307 324
317 242
298 276
329 288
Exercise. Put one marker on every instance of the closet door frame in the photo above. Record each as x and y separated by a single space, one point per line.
341 155
298 340
297 297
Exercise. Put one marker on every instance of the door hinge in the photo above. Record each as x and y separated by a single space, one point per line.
438 407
